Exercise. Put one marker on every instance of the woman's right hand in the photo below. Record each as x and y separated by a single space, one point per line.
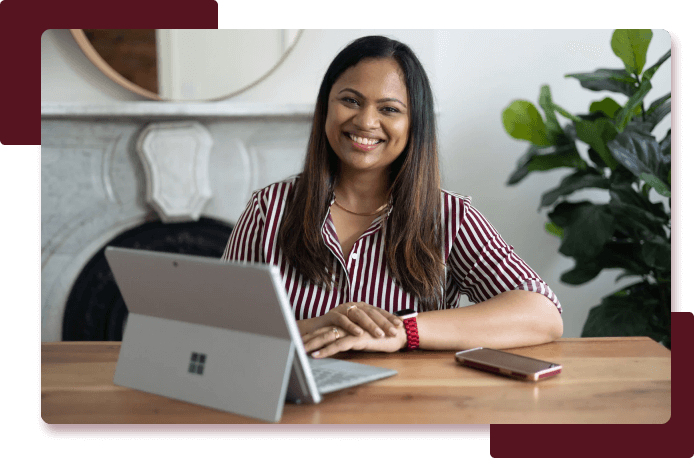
357 317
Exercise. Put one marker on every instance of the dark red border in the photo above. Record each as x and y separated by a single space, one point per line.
21 24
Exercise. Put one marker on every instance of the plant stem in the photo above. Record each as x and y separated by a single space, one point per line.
566 114
643 107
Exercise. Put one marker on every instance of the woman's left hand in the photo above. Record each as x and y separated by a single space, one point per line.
327 341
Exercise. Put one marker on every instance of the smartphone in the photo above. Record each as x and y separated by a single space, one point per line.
508 364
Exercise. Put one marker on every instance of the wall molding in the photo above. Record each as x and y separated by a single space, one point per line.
146 109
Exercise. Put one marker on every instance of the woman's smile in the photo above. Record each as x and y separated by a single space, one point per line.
363 143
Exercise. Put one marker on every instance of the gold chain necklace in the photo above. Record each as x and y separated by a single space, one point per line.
362 214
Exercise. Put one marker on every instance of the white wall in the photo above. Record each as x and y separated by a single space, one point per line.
475 75
206 64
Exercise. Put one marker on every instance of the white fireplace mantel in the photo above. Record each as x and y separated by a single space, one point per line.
175 110
98 172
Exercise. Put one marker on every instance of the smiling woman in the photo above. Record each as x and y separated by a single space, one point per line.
365 234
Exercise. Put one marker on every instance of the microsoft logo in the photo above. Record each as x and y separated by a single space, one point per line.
197 363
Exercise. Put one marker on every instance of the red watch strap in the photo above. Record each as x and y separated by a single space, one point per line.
412 333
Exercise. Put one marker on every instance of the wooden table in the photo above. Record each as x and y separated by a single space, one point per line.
604 380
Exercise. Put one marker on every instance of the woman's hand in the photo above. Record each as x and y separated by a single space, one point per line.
356 317
327 341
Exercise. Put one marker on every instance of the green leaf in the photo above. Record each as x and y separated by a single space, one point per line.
595 157
562 214
640 154
660 187
587 227
605 79
631 46
597 134
640 309
523 121
648 74
571 183
553 127
541 159
583 272
607 106
632 104
646 189
614 255
635 214
620 316
625 194
620 255
657 103
629 220
658 110
665 144
554 229
590 117
657 254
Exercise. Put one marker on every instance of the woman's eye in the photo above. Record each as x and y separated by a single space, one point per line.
350 100
391 110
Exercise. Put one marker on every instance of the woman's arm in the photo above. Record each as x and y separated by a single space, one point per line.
508 320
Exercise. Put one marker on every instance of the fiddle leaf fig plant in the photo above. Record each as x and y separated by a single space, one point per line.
631 232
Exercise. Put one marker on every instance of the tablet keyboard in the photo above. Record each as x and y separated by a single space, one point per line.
333 374
327 378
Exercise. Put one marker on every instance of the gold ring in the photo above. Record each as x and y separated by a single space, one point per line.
337 333
350 308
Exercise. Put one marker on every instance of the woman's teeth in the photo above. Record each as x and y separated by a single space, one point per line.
363 141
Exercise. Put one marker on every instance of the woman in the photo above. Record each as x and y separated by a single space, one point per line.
365 233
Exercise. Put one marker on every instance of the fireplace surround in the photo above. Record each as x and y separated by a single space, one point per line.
163 176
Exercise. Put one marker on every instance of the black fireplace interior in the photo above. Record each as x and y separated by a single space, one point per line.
95 310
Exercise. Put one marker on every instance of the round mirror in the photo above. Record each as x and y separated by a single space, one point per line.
186 64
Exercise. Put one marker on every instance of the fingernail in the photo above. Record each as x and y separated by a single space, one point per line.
359 331
393 332
380 333
315 354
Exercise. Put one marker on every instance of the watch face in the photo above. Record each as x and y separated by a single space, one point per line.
405 312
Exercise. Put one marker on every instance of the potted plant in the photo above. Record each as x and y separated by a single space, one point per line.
630 232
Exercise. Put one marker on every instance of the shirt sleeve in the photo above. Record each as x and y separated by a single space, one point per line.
246 240
483 265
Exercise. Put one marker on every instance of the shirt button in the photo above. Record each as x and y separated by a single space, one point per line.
354 256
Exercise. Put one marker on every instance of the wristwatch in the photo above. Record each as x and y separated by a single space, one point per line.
409 319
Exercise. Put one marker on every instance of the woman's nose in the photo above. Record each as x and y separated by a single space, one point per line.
367 118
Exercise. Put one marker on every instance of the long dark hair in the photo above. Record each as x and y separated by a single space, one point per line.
413 241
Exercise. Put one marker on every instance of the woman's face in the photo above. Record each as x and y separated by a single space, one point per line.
368 121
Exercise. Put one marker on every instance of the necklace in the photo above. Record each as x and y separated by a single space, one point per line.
362 214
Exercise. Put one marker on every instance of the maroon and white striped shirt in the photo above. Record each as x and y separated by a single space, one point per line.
479 264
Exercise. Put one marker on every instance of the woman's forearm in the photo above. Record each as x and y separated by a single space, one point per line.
510 319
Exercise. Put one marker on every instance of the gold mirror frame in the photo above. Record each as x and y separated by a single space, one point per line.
103 66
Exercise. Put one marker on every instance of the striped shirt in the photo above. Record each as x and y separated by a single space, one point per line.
479 264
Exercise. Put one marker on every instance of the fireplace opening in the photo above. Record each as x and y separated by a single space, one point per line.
95 310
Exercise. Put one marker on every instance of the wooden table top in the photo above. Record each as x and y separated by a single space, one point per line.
604 380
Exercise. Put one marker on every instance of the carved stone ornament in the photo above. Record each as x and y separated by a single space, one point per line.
175 156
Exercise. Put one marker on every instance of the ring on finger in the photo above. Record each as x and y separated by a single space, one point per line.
350 308
337 333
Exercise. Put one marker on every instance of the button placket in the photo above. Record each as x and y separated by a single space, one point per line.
353 268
